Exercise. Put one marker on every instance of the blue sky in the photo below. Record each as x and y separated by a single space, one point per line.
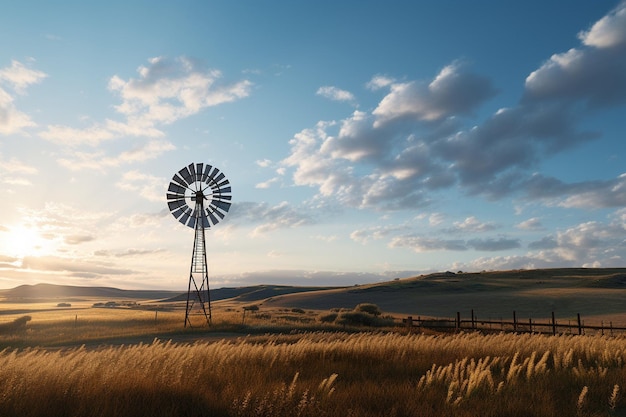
363 140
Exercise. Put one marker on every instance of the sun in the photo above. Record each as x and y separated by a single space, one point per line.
21 241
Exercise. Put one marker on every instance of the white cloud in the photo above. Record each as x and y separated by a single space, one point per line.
147 186
427 244
267 218
267 184
165 91
530 224
16 172
335 94
454 91
471 225
98 160
435 219
608 32
418 138
379 81
16 77
364 236
264 163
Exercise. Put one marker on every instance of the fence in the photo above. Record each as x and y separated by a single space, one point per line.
516 325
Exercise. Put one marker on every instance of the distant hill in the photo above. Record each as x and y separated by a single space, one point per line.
494 294
53 291
253 293
531 293
39 292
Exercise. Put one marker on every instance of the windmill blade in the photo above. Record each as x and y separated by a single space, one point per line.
221 204
173 205
186 176
223 183
225 190
183 219
179 212
205 174
205 221
219 214
192 172
192 221
212 217
175 196
219 178
175 188
199 170
177 179
212 175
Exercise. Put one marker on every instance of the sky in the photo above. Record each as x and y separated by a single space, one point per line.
364 141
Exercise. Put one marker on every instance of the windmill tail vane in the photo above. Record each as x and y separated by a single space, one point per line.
208 191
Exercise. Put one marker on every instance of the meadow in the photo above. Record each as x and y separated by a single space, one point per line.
277 356
235 369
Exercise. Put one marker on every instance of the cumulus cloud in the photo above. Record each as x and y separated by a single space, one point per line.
530 224
429 244
144 185
165 90
363 236
453 91
471 225
268 218
420 138
17 78
99 161
379 81
594 74
16 172
335 94
589 244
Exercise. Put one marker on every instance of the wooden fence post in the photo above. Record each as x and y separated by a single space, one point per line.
458 320
530 325
580 328
553 325
514 321
473 321
409 323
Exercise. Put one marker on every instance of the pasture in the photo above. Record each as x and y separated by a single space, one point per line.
77 357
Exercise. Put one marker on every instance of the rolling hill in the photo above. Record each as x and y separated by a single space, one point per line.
495 294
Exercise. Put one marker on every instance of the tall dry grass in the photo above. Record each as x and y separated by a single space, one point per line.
323 374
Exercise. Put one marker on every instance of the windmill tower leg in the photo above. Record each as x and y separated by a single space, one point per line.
198 295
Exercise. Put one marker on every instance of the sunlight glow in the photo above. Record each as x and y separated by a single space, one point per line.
20 241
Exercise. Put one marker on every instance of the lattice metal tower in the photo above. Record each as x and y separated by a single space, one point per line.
208 190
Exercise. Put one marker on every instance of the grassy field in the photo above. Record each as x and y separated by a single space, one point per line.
323 374
337 359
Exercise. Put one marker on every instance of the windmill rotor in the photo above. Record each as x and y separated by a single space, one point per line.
199 192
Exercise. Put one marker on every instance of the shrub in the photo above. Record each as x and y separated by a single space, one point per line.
297 310
328 318
368 308
17 325
357 318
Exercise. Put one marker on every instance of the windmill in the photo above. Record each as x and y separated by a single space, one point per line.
199 197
